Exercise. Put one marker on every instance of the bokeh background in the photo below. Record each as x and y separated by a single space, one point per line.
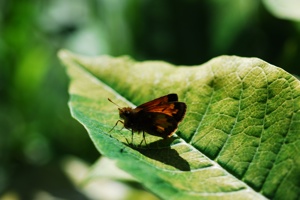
37 133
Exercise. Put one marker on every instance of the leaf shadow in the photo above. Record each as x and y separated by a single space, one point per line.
161 151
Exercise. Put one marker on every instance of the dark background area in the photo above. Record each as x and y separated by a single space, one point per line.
36 129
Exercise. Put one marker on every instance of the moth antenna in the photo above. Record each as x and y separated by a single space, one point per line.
113 102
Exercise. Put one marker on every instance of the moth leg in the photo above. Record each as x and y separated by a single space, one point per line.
126 138
131 136
127 141
119 130
144 139
116 125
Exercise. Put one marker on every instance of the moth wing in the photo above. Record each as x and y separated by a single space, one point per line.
175 110
159 101
161 115
160 124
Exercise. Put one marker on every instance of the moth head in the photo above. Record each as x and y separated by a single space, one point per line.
125 112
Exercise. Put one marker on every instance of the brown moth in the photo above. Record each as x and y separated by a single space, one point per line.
159 117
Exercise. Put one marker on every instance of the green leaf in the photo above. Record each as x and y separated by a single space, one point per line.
239 139
284 9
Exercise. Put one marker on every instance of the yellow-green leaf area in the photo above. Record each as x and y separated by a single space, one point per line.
239 139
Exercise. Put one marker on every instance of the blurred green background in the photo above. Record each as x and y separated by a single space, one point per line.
36 129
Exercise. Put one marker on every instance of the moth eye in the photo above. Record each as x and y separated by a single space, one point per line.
127 112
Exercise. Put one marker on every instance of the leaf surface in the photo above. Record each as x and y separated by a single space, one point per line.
239 139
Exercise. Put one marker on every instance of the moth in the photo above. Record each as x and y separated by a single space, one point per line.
159 117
